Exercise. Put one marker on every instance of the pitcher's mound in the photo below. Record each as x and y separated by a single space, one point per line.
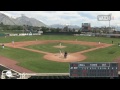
59 46
60 58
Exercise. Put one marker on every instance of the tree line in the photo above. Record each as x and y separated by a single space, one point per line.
28 28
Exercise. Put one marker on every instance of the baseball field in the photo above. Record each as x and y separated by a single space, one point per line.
44 54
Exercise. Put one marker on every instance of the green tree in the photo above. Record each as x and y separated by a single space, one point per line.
65 28
1 24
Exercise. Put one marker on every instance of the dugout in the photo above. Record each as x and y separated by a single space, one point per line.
2 34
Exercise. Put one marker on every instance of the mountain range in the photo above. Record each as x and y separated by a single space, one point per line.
23 20
62 26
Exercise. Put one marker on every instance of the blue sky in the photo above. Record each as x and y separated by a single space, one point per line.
68 17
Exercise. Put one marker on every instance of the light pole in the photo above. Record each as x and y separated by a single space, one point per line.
105 18
109 23
110 19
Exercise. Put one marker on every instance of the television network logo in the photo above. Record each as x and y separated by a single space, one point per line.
9 74
105 17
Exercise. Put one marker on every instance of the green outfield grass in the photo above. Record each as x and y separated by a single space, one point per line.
35 62
70 48
59 37
11 31
108 54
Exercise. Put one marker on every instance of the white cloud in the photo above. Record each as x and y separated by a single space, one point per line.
68 17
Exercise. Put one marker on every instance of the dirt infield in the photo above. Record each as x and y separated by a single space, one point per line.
12 64
72 57
59 46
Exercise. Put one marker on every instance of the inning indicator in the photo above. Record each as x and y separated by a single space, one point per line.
94 69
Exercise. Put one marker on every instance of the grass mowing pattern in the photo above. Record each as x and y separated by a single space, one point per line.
70 48
34 61
108 54
60 37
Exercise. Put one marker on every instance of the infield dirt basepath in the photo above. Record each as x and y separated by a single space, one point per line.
72 57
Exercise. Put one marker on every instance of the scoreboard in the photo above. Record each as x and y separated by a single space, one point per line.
94 69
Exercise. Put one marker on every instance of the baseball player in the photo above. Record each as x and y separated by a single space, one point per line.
118 44
112 42
65 54
99 42
13 42
3 46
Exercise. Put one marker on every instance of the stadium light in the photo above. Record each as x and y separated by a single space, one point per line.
110 18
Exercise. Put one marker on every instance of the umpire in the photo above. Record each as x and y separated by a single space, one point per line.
65 54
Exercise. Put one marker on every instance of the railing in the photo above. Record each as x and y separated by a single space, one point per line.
27 75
